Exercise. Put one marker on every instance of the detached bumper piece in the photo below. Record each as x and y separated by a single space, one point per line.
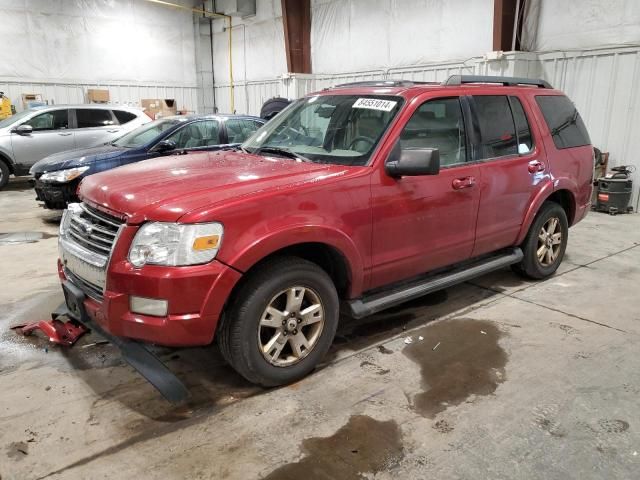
62 333
134 353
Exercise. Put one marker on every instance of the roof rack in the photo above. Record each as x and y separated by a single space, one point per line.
506 81
383 83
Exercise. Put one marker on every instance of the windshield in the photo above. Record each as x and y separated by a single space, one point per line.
339 129
145 134
14 118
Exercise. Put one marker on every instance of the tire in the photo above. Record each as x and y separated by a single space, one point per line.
248 327
531 265
4 174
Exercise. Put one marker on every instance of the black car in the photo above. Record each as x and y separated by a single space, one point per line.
57 176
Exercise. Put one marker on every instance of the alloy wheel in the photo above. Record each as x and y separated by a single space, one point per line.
290 326
549 242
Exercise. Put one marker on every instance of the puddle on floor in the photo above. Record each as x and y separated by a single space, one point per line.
362 447
17 238
458 358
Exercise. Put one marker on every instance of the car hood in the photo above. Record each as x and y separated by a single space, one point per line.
77 158
167 189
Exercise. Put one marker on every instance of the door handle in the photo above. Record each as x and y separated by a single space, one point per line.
535 166
461 183
113 131
64 134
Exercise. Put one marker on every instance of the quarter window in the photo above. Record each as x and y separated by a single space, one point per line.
497 130
564 122
56 120
438 124
90 117
123 117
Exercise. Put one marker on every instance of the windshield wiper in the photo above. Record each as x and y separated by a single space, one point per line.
285 152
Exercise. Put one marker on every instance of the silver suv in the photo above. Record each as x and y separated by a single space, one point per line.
34 134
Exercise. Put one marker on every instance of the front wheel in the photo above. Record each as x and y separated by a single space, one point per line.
545 244
4 174
282 323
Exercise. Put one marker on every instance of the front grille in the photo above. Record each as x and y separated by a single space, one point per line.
94 230
88 288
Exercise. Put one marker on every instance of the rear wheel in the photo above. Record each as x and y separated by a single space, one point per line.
282 323
545 244
4 174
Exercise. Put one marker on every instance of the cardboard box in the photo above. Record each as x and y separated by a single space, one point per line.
30 100
97 96
159 107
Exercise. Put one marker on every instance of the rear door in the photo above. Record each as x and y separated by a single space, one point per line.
95 126
237 130
512 168
51 134
426 222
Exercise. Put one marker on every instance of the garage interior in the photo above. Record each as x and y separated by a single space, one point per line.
497 377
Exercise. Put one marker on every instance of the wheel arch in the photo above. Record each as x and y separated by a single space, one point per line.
7 161
562 196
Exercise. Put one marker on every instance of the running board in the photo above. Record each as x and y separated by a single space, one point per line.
373 303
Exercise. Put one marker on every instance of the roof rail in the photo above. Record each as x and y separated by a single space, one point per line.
506 81
383 83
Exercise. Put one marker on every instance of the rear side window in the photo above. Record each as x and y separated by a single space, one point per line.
123 117
89 117
497 130
564 122
523 132
239 129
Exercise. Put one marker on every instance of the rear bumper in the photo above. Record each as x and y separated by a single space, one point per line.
56 195
196 297
581 212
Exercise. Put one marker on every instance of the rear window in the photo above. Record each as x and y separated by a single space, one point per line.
564 121
123 117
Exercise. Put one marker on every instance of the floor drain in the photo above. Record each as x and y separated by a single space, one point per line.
20 237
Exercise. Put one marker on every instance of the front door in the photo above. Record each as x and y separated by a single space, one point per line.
512 169
50 135
426 222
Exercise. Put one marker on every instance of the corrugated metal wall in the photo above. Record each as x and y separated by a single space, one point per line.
120 94
603 83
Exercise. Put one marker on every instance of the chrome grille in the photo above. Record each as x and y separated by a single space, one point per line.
94 230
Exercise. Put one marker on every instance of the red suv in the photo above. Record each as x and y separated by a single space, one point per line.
355 198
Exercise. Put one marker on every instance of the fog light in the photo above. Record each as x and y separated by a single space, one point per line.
148 306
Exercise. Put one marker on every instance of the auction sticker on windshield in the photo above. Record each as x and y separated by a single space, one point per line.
375 104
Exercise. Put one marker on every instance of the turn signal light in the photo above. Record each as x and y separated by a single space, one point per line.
206 243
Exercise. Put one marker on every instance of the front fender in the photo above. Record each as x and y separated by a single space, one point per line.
267 245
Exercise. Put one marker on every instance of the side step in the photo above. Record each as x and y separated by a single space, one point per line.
373 303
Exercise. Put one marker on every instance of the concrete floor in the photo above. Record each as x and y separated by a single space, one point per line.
503 379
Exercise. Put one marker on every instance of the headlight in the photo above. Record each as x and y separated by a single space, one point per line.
63 176
174 244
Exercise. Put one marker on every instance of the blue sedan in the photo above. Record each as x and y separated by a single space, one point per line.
57 176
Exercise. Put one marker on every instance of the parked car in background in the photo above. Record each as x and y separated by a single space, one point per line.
34 134
358 198
57 176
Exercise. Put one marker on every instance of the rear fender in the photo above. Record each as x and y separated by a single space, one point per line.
544 193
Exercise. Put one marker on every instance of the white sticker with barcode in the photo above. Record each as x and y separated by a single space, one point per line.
375 104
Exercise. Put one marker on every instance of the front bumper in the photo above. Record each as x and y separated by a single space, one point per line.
196 297
56 195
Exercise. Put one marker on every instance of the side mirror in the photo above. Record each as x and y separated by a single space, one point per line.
164 146
412 161
23 129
